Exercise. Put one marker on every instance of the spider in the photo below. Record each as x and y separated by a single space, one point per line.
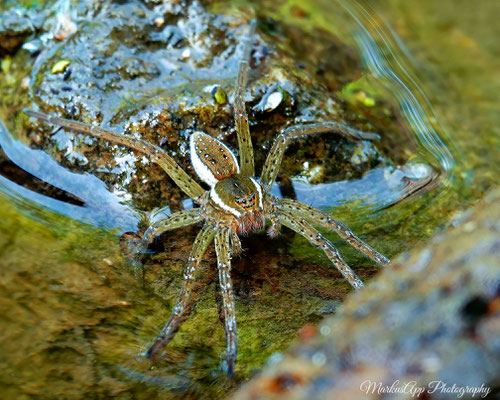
236 203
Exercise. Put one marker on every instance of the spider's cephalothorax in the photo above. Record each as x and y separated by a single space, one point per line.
236 203
241 197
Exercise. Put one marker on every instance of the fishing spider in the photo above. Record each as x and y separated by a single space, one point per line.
236 203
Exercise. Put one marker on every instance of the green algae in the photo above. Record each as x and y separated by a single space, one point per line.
5 5
15 92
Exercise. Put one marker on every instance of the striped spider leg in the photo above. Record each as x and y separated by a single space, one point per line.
181 309
298 216
223 250
300 226
176 220
240 113
187 184
317 217
275 156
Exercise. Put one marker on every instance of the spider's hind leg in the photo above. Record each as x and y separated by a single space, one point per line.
317 217
222 244
300 226
181 309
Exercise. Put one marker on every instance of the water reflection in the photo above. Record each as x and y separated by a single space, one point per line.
382 52
379 188
100 207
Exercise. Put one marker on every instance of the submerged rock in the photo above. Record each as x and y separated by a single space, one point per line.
16 25
430 321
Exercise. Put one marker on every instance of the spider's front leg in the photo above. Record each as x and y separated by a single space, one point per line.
301 226
222 248
236 248
176 220
240 113
275 156
317 217
180 311
155 153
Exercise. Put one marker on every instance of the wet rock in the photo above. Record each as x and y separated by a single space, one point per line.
16 25
431 319
144 68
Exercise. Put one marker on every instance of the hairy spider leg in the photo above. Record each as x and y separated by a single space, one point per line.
315 216
275 156
240 113
176 220
236 248
303 228
222 248
157 154
179 313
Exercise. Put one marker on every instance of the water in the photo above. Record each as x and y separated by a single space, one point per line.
69 302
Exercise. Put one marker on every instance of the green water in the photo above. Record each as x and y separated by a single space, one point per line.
74 319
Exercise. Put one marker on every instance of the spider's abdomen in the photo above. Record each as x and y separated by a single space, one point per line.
212 160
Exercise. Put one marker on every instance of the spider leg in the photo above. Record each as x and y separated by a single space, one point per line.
176 220
179 313
275 156
235 244
240 114
222 247
317 217
157 154
303 228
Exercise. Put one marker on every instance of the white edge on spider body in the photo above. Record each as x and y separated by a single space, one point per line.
217 200
259 190
205 174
